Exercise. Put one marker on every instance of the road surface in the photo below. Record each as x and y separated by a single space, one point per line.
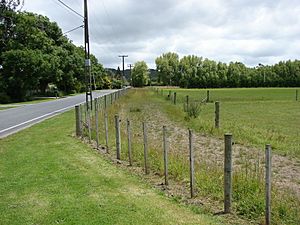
15 119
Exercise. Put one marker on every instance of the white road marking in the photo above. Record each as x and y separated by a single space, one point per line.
37 118
43 117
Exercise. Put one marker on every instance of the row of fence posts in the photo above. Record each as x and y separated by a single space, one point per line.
187 103
87 110
227 156
227 160
207 99
174 99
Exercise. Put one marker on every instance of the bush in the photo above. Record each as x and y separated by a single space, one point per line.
4 98
193 109
106 83
116 84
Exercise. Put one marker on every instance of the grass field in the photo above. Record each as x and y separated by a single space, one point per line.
142 105
49 177
255 116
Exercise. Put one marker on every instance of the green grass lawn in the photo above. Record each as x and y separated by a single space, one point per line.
255 116
49 177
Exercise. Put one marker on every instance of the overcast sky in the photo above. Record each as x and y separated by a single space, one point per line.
249 31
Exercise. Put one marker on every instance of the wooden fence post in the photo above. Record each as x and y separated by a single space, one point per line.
118 137
187 103
129 142
85 107
97 122
165 145
106 130
78 121
217 114
175 98
111 98
89 124
207 96
296 95
169 96
192 171
145 148
81 117
268 184
228 173
105 101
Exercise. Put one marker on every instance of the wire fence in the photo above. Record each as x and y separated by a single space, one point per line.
174 154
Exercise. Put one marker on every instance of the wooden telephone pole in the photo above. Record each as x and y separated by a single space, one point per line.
87 68
130 67
123 61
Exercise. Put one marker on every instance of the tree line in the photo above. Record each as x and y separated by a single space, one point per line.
36 57
195 72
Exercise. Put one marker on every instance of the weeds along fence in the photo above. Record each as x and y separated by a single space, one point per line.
127 134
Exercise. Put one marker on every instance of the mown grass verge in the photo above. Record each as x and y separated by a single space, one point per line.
49 177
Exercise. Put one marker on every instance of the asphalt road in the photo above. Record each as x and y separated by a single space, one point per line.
15 119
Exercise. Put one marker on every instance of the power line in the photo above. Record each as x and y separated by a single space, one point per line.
76 28
68 7
98 30
95 34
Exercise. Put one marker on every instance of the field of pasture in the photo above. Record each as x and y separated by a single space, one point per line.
255 116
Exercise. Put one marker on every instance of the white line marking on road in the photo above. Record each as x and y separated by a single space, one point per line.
44 116
37 118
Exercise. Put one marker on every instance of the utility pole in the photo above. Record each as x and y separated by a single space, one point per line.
130 67
87 68
123 61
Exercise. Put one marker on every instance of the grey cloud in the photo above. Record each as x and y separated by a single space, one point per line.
250 30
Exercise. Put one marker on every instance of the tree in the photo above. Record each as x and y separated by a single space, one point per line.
22 71
188 67
194 72
34 54
118 74
7 21
140 74
167 66
10 4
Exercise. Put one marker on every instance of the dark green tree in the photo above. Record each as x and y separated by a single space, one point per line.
167 66
35 54
140 74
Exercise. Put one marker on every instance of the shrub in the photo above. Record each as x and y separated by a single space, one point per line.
193 110
4 98
116 84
